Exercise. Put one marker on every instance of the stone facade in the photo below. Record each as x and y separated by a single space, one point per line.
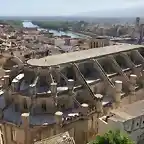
39 102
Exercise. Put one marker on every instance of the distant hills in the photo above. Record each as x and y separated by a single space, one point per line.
113 15
123 12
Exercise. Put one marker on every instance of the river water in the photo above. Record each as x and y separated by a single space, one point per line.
56 33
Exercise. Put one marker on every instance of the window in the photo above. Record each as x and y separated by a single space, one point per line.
25 104
94 44
44 107
137 124
97 45
62 106
16 107
13 132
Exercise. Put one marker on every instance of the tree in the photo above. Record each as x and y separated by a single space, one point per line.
113 137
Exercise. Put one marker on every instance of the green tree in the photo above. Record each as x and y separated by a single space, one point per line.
113 137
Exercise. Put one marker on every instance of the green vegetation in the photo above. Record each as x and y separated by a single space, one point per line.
55 25
14 23
112 137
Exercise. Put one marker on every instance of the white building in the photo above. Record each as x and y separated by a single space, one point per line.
129 119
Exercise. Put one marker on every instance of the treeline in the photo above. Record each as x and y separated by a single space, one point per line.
12 22
15 23
55 25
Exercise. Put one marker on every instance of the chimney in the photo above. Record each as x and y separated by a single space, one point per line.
25 119
98 100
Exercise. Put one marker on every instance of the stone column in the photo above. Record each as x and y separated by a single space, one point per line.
25 126
25 119
32 91
58 120
84 123
6 80
14 86
71 92
118 91
132 95
0 87
54 92
98 103
57 70
84 110
33 105
2 82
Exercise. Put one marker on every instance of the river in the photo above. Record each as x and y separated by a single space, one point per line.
56 33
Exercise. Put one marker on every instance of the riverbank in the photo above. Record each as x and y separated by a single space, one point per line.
55 32
80 34
55 25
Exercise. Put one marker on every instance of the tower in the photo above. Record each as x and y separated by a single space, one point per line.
137 21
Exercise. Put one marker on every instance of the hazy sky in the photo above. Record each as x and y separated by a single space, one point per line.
60 7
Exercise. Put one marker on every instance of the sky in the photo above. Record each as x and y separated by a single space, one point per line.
61 7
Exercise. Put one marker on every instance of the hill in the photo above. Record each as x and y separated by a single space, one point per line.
123 12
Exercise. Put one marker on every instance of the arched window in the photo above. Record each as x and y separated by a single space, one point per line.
91 45
96 45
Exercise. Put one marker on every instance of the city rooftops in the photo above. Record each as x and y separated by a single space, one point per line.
81 55
129 111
